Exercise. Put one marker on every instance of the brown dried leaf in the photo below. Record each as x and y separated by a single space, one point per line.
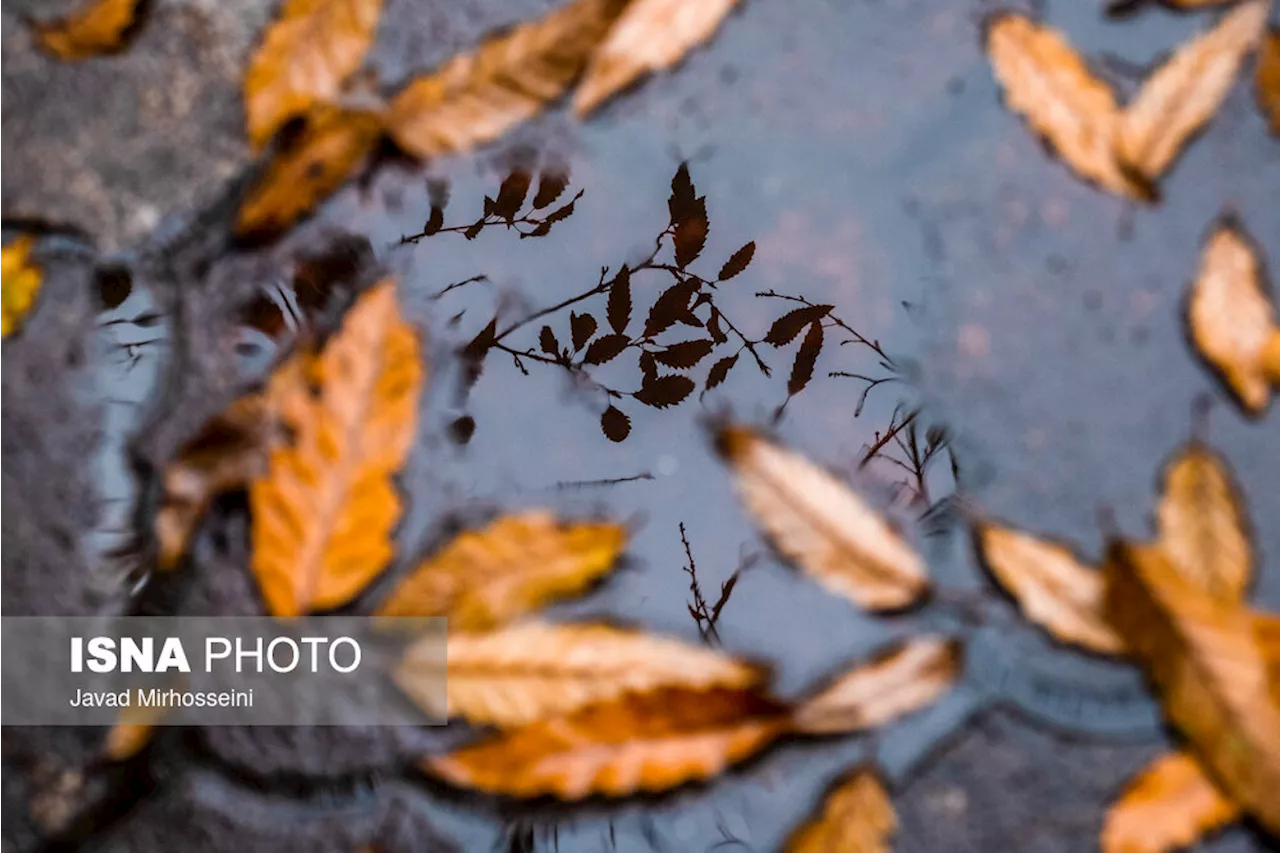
806 358
526 672
1052 586
685 354
1184 93
784 329
97 28
324 511
606 348
304 59
20 281
1169 805
487 577
322 157
1267 80
905 678
649 36
1046 82
639 742
821 524
476 97
737 262
619 308
857 817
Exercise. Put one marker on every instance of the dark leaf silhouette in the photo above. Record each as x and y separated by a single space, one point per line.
685 353
720 370
688 318
713 327
648 365
670 306
551 185
547 340
606 348
542 229
435 221
806 358
114 285
785 328
615 424
582 326
461 429
565 211
480 344
474 230
512 193
691 233
620 300
738 262
683 195
663 391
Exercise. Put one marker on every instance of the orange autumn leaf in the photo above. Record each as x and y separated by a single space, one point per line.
650 35
323 156
20 280
1267 80
94 29
324 510
125 740
304 59
1169 805
476 97
648 742
857 817
484 578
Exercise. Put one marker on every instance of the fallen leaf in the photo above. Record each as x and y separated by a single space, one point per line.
304 59
487 577
1047 83
857 817
323 156
20 281
649 741
324 510
1231 318
531 671
1212 676
125 740
821 524
904 679
1184 93
97 28
649 36
1169 805
1052 586
1267 80
476 97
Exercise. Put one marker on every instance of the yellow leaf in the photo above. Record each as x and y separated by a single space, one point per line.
821 524
649 36
1203 528
97 28
1267 80
857 817
303 60
324 510
476 97
1170 804
1184 93
649 741
1052 586
326 152
1047 83
527 672
903 680
19 283
514 566
1210 671
1231 318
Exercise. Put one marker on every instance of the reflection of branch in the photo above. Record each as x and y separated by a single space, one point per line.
881 441
707 616
916 454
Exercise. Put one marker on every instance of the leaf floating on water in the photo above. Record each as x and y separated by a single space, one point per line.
1047 83
615 424
857 817
904 679
532 671
1232 319
648 742
1052 586
818 522
484 578
476 97
1184 93
322 157
649 36
1169 805
304 59
324 511
20 281
1267 80
97 28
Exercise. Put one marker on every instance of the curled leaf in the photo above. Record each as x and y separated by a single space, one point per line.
1169 805
20 281
97 28
857 817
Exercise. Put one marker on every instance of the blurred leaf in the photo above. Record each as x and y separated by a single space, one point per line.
96 28
670 305
619 310
476 97
720 370
605 348
615 425
482 342
737 262
324 511
20 281
806 358
857 817
582 326
462 429
785 328
663 391
649 36
304 59
818 522
485 578
1169 805
1267 80
550 187
685 354
691 234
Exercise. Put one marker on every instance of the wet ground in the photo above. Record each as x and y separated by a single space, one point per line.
863 148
